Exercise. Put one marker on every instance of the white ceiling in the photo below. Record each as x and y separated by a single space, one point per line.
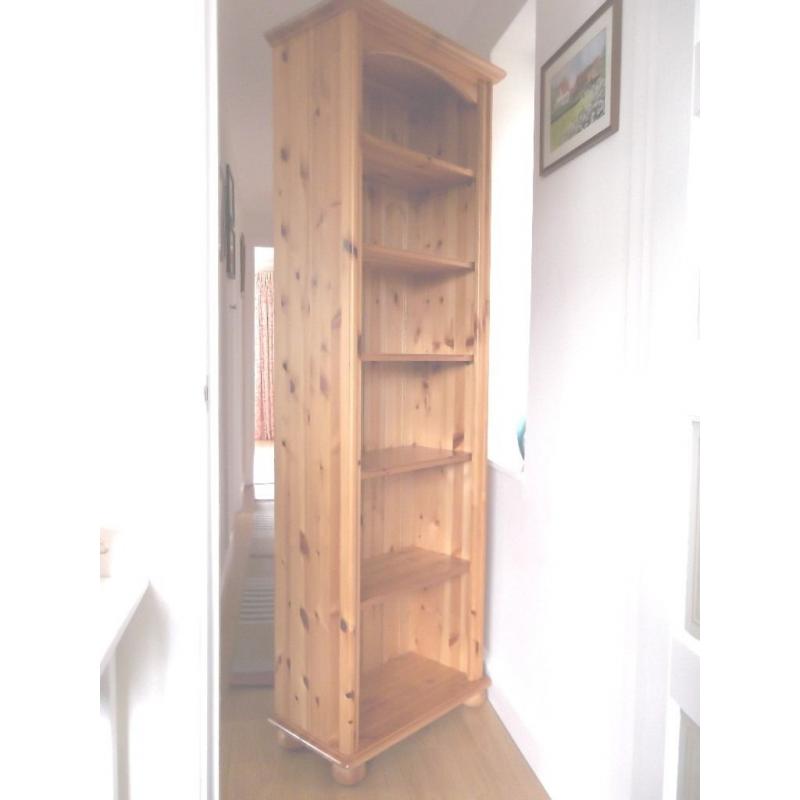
245 78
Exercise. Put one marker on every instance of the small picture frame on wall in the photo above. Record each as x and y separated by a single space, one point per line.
222 214
230 223
579 89
242 262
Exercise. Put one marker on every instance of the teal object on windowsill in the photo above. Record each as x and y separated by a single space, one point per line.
521 437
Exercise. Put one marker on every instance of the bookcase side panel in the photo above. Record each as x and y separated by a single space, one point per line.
316 279
479 396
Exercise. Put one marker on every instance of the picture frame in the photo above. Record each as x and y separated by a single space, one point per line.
230 223
221 213
242 262
579 89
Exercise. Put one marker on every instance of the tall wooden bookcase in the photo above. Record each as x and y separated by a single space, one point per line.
381 164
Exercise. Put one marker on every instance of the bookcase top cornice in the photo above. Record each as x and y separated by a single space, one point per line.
385 18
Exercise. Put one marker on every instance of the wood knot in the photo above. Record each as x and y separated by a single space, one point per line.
304 618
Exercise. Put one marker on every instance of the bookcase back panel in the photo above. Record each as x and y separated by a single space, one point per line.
435 122
440 223
415 404
431 509
430 622
405 314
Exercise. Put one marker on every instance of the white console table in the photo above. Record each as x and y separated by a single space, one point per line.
119 598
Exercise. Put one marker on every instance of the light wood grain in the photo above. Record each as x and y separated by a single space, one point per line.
398 698
406 693
401 166
418 40
409 77
381 160
403 571
349 379
421 358
317 184
394 258
480 394
465 755
397 460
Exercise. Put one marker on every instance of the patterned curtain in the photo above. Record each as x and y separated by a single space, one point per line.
265 355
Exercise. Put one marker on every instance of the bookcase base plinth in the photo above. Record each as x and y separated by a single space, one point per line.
399 699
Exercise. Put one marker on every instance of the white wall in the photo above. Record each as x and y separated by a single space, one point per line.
231 341
512 209
245 110
237 344
154 482
581 545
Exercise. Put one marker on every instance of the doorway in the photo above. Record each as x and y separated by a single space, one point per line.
264 360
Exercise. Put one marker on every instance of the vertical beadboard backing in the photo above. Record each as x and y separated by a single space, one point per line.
317 196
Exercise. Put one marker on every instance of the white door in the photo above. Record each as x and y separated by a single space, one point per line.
682 757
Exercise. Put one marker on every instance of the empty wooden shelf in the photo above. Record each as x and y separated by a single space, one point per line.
381 205
393 258
463 358
406 570
397 460
405 694
390 162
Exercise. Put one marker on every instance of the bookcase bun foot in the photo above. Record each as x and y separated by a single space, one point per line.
287 742
382 158
348 776
477 699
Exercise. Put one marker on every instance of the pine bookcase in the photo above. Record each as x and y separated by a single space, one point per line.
381 197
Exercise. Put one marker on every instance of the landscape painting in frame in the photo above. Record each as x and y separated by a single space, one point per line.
579 103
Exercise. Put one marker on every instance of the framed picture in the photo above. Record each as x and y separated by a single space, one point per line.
579 93
230 223
242 262
221 212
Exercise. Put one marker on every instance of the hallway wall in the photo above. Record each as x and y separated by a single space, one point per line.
156 467
584 539
237 348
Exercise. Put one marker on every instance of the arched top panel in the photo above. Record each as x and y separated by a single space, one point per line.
414 78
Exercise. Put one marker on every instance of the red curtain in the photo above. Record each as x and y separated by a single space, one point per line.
265 355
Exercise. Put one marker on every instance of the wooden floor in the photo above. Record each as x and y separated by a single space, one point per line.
467 755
